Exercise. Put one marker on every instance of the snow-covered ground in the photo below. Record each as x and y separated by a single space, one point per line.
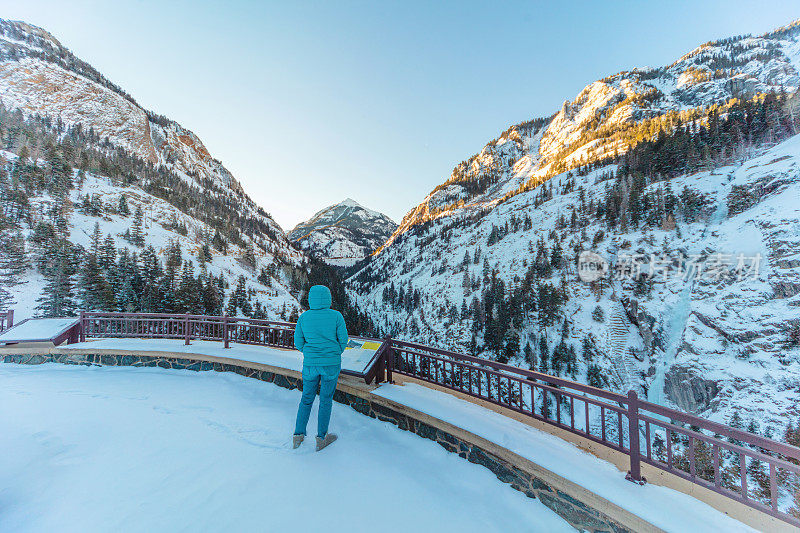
665 508
653 503
132 449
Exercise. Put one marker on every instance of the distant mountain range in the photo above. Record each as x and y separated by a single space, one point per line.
344 233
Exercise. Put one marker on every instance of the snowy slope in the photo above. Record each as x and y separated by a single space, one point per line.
39 75
719 346
161 220
713 347
344 233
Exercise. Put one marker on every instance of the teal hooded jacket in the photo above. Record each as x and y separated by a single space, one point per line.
320 333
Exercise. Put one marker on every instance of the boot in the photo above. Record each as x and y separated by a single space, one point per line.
329 438
297 440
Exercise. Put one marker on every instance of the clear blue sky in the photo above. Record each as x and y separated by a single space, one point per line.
309 103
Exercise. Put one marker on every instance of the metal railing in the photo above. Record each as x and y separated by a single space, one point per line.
188 327
743 466
6 319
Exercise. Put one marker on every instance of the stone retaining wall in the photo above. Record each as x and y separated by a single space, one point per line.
581 508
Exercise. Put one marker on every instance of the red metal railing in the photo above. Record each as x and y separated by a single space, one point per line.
190 327
644 431
751 469
6 319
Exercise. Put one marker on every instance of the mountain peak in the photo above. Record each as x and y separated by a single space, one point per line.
22 27
349 202
343 234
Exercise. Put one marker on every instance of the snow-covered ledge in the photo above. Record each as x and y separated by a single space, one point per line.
589 492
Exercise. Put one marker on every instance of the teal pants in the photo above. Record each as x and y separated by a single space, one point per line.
324 377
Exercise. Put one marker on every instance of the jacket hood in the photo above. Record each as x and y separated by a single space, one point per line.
319 297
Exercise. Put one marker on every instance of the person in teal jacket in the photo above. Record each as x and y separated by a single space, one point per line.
321 335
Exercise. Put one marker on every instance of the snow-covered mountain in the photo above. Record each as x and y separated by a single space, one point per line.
344 233
601 120
657 170
87 136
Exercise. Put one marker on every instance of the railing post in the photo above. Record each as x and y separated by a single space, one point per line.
83 327
186 328
635 473
225 335
388 357
9 318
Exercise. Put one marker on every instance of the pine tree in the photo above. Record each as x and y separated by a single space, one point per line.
211 300
219 243
108 253
530 356
127 300
57 297
595 377
188 294
204 255
173 262
556 256
122 207
587 349
96 240
13 263
94 290
544 354
239 301
473 345
510 346
137 229
249 257
151 273
736 422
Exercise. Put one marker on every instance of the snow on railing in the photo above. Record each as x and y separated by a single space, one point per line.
748 468
6 319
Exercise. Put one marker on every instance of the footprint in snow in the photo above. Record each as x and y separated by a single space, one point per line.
258 437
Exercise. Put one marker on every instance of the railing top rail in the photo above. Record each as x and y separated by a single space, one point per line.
553 380
643 405
181 316
673 414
